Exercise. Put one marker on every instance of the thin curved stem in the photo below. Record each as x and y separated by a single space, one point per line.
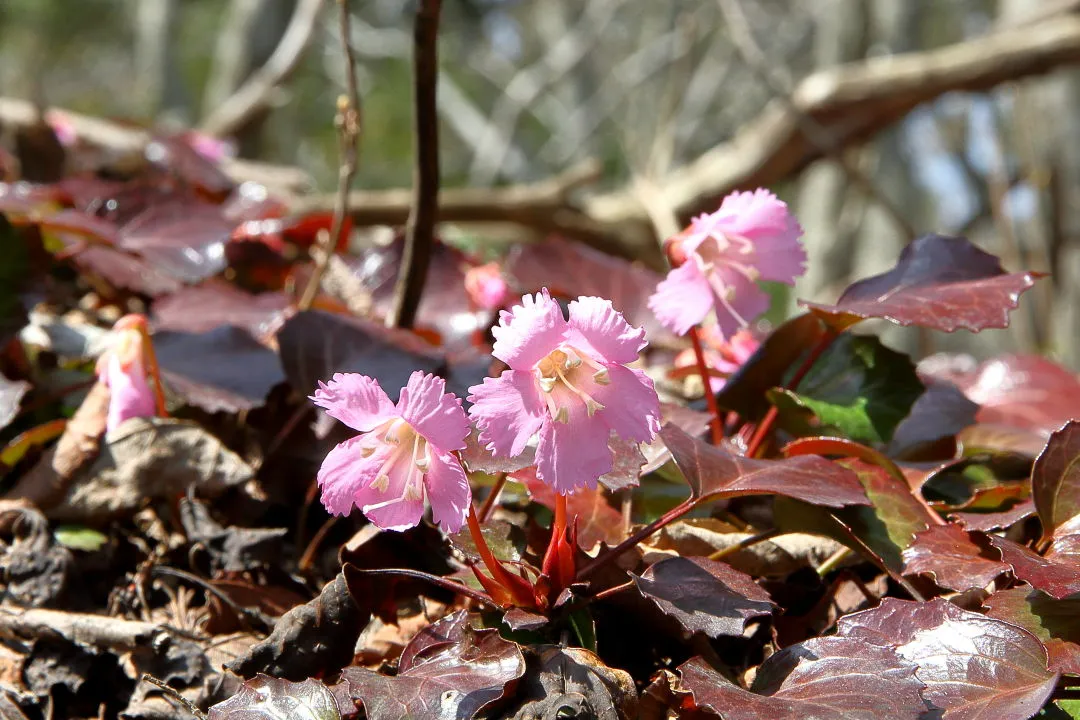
745 543
607 558
434 580
710 398
492 498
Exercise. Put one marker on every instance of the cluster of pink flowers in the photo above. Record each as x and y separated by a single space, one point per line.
567 384
720 258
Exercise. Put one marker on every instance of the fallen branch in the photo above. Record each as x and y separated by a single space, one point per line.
99 631
852 102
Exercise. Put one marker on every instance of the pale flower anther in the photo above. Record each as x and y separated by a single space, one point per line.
722 256
567 382
403 455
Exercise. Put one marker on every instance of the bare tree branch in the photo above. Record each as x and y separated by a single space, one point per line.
420 229
257 94
743 37
853 102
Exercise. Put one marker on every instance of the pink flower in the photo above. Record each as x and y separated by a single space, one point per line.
123 371
212 148
403 453
485 286
722 256
568 382
62 127
727 356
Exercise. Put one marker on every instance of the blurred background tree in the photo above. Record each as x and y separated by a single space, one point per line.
531 88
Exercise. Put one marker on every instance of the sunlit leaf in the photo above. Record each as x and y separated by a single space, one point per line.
268 698
1055 622
939 282
973 666
819 679
715 472
1055 479
452 676
947 554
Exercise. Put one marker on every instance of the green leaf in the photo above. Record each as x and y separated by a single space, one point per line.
858 389
583 625
78 537
1061 710
887 526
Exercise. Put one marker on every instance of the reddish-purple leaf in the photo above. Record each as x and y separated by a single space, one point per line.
948 555
1055 479
268 698
1024 391
714 472
123 270
704 595
1058 577
939 282
444 307
11 394
451 679
825 678
224 369
572 269
745 391
182 238
216 303
314 345
995 520
973 667
692 422
178 157
90 227
1055 622
940 412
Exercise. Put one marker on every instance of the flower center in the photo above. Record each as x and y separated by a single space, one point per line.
408 455
723 251
564 376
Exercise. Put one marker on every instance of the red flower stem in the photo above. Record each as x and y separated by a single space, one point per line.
493 496
607 558
559 524
766 425
558 531
155 372
710 398
498 572
604 594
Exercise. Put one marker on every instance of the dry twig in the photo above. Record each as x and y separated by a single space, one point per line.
347 122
